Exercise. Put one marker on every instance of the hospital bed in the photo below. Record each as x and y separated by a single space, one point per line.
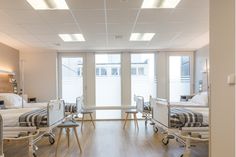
31 123
187 122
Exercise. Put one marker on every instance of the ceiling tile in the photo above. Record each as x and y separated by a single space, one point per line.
124 4
56 16
85 4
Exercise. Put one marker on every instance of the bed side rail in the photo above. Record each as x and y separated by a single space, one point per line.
1 137
161 111
55 111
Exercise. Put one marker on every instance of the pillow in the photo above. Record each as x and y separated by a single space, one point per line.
11 100
201 99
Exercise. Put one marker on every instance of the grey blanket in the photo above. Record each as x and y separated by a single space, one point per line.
34 118
185 118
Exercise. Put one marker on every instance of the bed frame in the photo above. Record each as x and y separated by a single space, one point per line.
55 114
184 135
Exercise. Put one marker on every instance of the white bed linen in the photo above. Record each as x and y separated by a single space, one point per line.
11 116
37 105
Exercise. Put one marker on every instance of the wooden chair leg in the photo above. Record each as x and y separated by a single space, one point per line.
127 114
68 136
77 138
135 119
82 121
58 141
92 119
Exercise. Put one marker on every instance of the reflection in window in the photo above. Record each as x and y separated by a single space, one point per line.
114 71
97 71
133 71
103 72
141 71
185 66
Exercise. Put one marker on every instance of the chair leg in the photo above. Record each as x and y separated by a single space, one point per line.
92 119
77 138
68 136
127 114
82 121
58 141
135 119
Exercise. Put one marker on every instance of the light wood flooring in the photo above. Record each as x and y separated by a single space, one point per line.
109 139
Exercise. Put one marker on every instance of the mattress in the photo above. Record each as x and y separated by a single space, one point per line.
11 116
35 105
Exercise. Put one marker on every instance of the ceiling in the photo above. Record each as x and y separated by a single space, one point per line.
106 24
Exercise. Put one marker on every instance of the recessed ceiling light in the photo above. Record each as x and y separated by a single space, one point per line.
72 37
159 4
48 4
141 36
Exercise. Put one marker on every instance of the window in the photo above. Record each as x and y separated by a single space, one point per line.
71 78
108 87
143 76
179 77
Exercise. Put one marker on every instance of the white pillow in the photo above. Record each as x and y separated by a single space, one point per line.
201 99
11 100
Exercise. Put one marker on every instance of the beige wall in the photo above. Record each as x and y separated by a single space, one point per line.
40 73
201 55
222 63
9 60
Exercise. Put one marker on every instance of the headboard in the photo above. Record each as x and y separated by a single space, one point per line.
6 84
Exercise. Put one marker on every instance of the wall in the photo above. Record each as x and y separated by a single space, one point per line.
9 60
222 56
40 73
201 55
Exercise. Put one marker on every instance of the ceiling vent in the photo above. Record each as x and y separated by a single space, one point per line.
117 37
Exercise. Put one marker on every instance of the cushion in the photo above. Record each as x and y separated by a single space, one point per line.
201 99
11 100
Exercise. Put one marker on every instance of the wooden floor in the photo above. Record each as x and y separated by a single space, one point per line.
108 140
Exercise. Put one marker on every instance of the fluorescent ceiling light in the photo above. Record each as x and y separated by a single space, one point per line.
141 36
48 4
160 3
72 37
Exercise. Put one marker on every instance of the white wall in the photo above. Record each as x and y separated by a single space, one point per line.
40 73
222 63
201 55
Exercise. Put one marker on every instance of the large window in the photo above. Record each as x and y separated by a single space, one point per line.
179 77
72 78
108 84
143 76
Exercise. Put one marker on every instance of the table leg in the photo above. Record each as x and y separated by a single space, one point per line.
68 136
59 138
127 114
77 138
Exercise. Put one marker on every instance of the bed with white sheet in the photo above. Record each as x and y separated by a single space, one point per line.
184 121
31 123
